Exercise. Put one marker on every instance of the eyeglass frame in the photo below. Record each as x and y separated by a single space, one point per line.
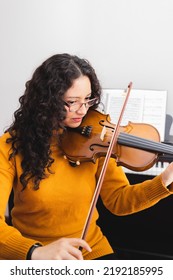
81 104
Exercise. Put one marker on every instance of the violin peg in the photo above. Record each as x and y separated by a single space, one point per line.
77 162
64 157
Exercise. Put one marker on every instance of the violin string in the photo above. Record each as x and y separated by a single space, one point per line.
138 142
146 144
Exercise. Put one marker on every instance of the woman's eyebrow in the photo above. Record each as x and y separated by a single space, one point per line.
71 97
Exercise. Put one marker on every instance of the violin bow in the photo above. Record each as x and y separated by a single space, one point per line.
104 167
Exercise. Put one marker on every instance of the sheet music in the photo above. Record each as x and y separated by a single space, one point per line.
146 106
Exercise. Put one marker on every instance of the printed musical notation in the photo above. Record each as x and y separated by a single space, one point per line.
144 106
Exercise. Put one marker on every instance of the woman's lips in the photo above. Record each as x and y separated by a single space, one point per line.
77 120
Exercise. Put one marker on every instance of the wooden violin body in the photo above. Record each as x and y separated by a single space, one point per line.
137 146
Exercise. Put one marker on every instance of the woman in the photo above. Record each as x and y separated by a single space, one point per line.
52 198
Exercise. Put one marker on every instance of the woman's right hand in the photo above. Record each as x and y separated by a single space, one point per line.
62 249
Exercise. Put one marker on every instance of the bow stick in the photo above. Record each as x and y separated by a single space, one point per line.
104 167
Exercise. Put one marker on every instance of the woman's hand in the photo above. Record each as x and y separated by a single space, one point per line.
62 249
167 175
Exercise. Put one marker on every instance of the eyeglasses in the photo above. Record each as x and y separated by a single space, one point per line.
77 105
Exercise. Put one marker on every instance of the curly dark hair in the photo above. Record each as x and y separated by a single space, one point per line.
40 105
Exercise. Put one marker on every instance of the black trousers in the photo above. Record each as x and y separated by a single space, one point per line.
112 256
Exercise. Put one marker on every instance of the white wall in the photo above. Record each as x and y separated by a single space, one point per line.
125 40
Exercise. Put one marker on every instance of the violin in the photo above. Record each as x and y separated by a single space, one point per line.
137 147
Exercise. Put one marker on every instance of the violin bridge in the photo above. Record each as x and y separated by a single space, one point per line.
102 135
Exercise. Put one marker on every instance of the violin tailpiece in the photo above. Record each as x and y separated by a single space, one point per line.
85 130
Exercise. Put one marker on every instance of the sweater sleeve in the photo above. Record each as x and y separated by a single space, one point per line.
121 198
12 244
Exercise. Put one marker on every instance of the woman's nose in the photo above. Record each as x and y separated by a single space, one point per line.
83 109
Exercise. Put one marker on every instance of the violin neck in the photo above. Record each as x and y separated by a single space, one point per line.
126 139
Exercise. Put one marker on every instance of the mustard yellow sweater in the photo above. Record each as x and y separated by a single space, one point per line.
60 207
